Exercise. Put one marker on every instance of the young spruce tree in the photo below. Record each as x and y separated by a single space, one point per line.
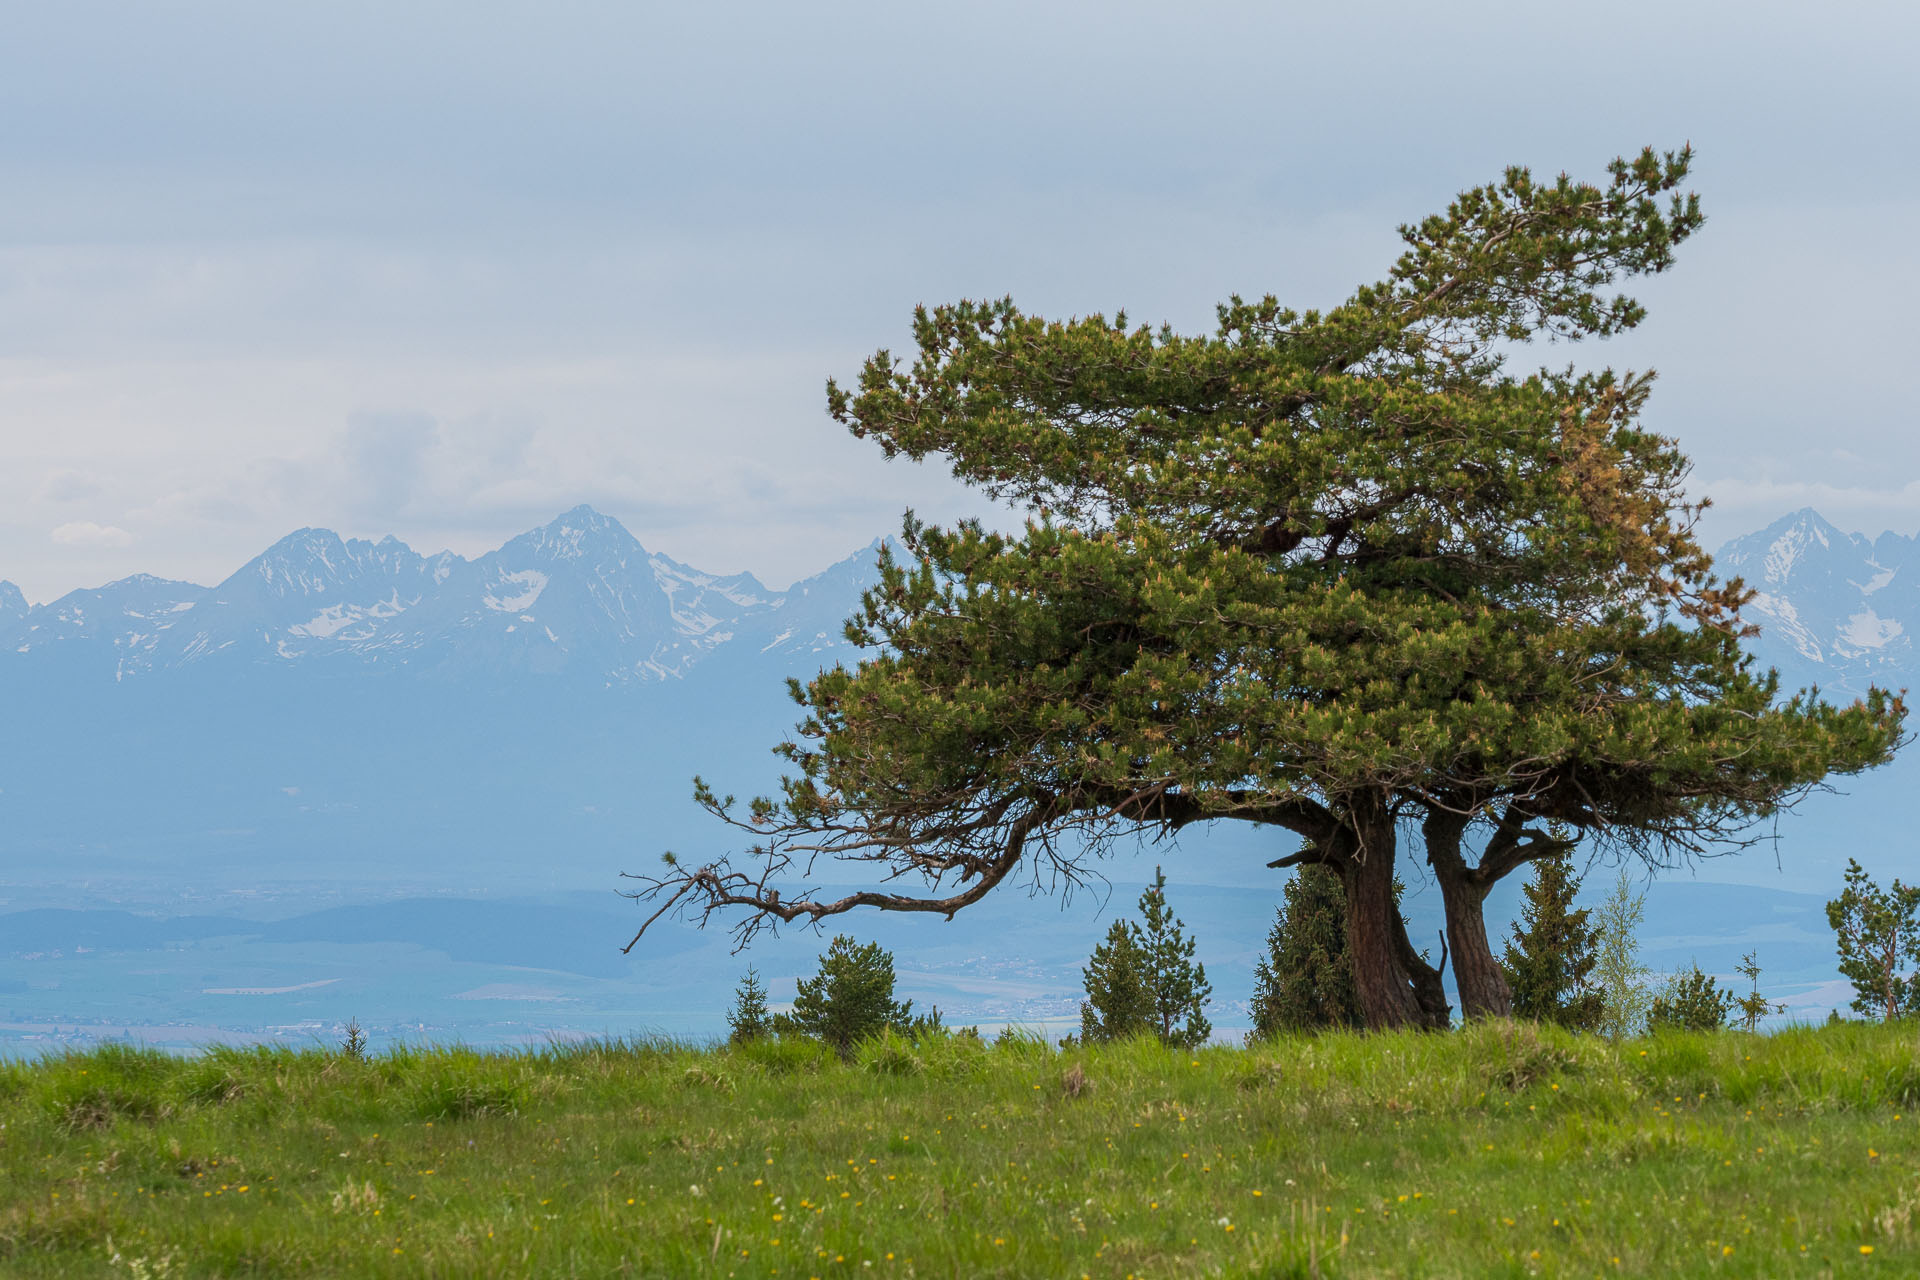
748 1019
1119 1003
1305 983
1178 981
1144 978
1549 961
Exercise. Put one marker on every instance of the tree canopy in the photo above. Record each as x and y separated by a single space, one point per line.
1343 573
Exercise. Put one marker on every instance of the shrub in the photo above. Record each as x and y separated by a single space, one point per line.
1618 974
1690 1001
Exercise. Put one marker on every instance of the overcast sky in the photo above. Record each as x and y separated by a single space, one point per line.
444 270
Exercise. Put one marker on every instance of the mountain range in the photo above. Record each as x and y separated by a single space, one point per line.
579 597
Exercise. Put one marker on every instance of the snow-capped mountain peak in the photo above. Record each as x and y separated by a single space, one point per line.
580 534
1835 609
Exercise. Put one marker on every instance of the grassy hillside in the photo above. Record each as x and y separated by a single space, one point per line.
1497 1151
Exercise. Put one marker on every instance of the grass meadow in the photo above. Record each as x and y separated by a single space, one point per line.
1498 1150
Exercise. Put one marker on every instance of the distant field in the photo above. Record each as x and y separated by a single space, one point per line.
1500 1150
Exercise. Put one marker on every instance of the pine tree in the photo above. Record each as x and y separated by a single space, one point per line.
1877 935
1178 983
1305 983
1690 1001
1549 961
748 1019
850 999
1618 974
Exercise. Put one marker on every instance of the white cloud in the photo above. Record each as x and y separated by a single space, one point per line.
85 533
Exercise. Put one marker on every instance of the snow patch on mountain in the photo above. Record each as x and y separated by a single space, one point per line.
531 583
1791 546
1868 630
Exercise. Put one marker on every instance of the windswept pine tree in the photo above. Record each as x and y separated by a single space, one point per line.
1550 959
1305 981
1343 574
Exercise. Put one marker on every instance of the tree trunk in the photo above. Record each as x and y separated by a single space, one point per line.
1376 938
1429 983
1484 992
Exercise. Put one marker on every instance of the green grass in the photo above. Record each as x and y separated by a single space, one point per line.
1499 1150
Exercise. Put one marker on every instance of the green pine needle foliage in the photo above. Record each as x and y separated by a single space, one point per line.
1144 979
1119 1004
1348 572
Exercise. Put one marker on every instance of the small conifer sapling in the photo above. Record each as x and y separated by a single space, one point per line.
1550 960
1690 1001
1119 1004
749 1020
850 999
1753 1006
